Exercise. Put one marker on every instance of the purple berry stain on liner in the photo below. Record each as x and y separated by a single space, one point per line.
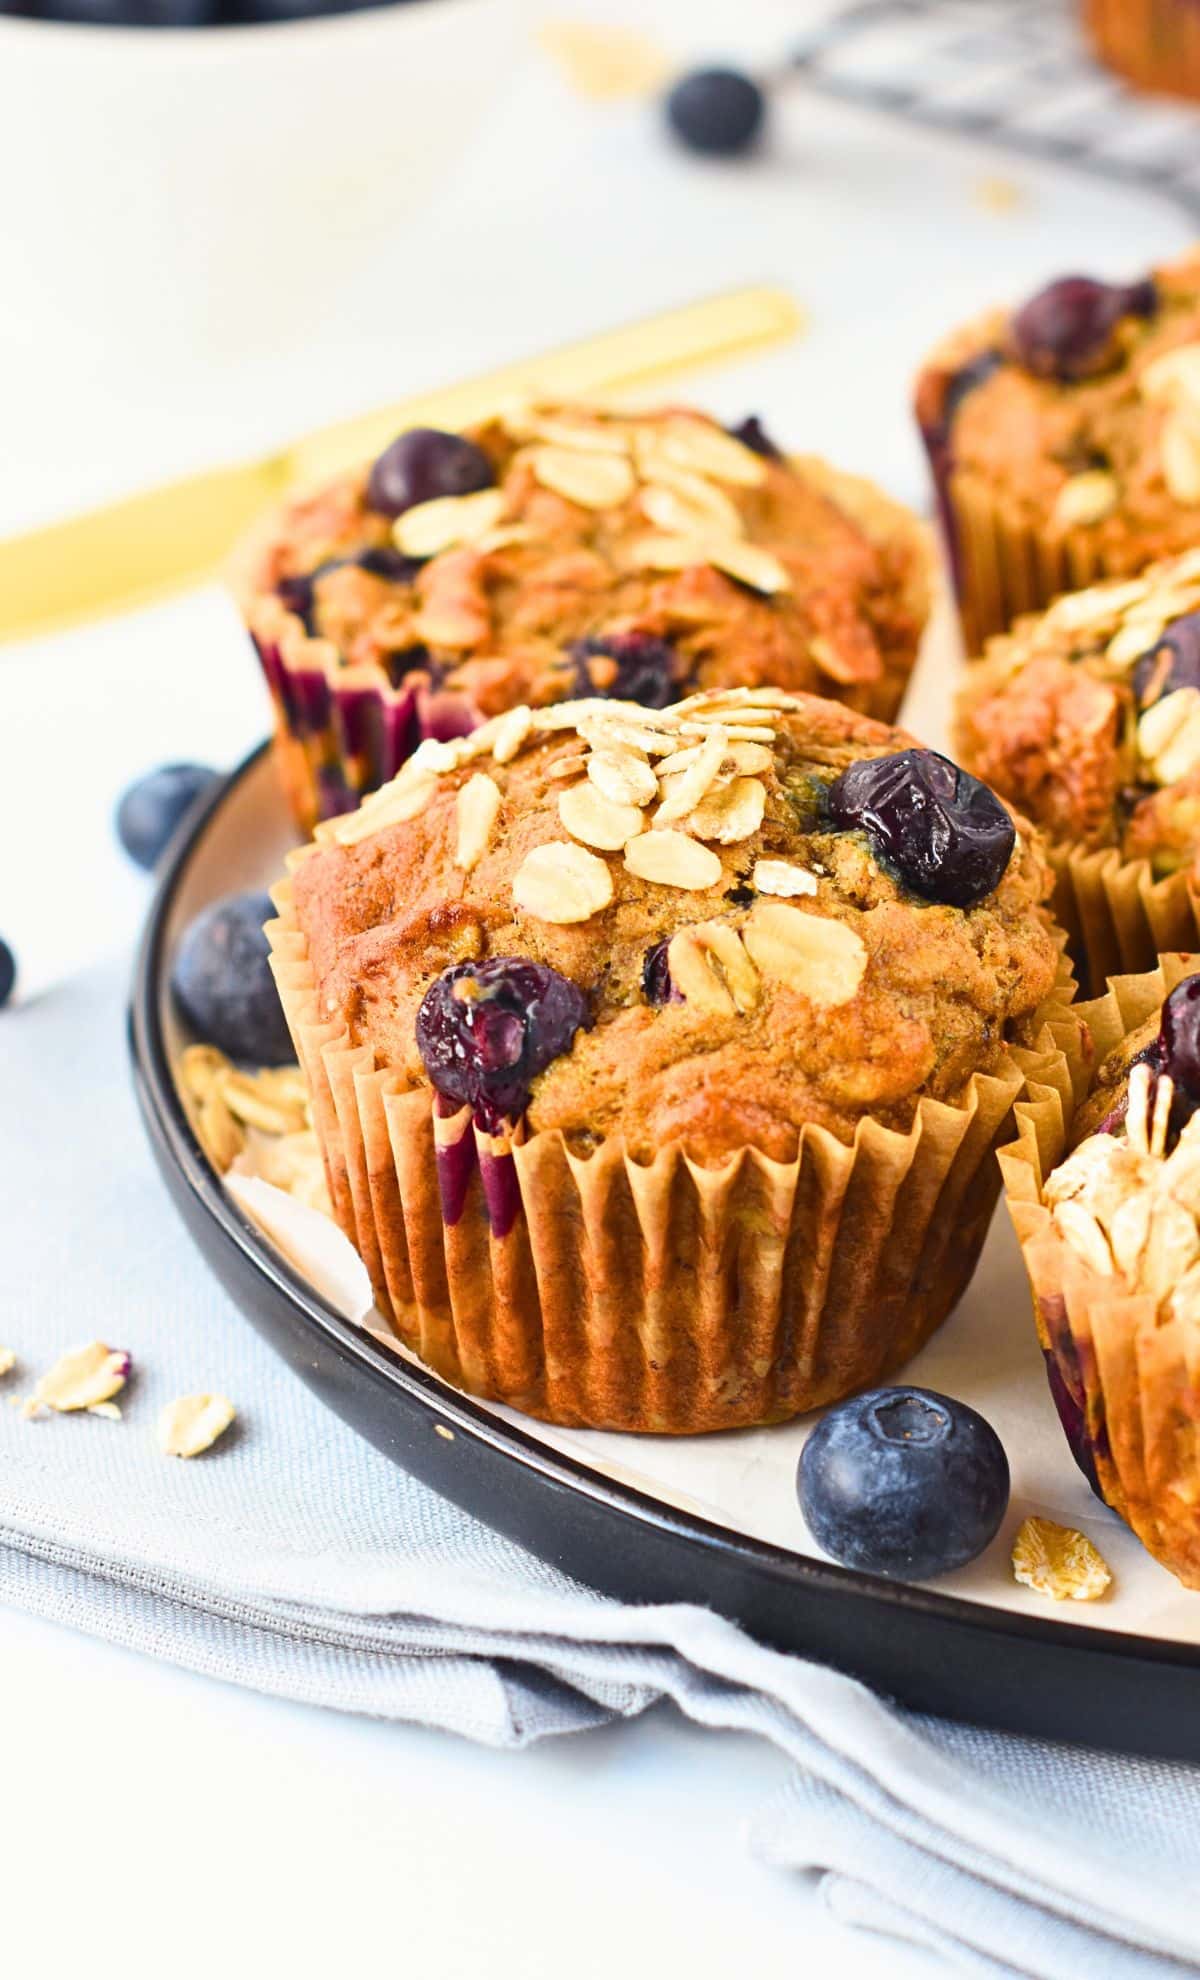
501 1189
486 1030
456 1159
1067 330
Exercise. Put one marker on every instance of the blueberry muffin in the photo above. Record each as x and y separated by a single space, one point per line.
1154 44
658 1055
1088 719
1064 439
1111 1239
560 551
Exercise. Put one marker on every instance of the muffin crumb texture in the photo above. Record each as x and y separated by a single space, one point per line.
747 966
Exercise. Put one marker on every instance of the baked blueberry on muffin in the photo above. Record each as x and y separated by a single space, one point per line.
658 1055
1088 719
1154 44
1111 1238
566 551
1064 439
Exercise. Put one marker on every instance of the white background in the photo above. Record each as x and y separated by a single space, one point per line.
152 1821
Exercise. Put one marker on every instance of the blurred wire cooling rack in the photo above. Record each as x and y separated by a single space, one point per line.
1014 73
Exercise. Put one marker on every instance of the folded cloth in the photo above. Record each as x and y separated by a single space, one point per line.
298 1560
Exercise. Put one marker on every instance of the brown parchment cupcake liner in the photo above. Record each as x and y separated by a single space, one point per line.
1003 567
1152 43
1126 1385
1118 918
598 1291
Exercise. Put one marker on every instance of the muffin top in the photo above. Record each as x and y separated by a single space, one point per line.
1127 1199
568 550
1088 717
715 922
1080 410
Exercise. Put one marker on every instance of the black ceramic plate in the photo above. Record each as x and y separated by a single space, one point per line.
934 1652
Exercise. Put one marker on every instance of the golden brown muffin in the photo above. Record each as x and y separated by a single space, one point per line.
1088 719
1154 44
723 992
1111 1238
565 551
1064 439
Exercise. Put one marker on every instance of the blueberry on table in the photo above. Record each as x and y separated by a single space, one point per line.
903 1482
131 13
716 111
8 973
149 811
422 465
941 830
223 984
486 1030
1066 331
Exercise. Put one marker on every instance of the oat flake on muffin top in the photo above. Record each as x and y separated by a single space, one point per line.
729 936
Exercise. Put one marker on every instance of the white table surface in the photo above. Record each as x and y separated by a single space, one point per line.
155 1821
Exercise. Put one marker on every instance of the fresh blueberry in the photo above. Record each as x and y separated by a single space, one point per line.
223 983
648 669
942 830
423 464
903 1482
486 1030
149 811
1066 330
8 973
1174 662
718 111
753 434
131 13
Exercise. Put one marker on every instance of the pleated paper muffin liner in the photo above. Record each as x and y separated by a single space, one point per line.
340 731
1118 918
1126 1384
1153 43
664 1296
1003 567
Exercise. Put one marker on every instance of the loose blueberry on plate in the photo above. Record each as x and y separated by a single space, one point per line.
903 1482
422 465
223 984
8 973
941 830
716 111
486 1030
149 811
1066 330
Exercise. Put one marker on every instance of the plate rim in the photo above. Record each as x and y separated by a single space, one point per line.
174 1140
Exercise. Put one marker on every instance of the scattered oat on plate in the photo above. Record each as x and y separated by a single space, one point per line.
1059 1561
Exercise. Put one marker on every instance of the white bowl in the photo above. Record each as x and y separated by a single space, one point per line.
202 192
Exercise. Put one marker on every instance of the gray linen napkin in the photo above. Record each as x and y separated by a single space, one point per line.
297 1560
